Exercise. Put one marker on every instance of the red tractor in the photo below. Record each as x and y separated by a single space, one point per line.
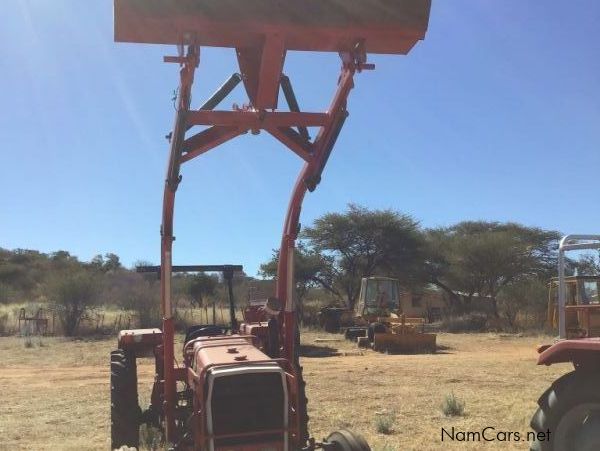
568 417
241 388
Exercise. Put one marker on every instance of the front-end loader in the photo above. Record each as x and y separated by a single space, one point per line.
568 414
241 388
379 321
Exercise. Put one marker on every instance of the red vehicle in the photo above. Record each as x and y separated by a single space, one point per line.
568 416
241 388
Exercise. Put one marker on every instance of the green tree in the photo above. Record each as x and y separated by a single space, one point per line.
477 257
106 263
22 271
111 262
201 286
360 242
311 269
73 292
524 297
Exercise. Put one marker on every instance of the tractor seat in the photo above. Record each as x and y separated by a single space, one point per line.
204 330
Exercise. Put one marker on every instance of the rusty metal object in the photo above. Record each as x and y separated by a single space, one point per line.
378 317
387 26
579 351
33 325
265 347
140 341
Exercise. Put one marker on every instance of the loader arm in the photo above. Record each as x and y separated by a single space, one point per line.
225 125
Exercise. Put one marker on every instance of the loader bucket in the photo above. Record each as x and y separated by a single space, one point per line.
382 26
404 343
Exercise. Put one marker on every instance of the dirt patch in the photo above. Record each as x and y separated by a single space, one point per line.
57 396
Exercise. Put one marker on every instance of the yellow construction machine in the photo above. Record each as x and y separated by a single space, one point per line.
582 306
379 322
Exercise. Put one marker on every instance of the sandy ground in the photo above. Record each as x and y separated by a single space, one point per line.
56 393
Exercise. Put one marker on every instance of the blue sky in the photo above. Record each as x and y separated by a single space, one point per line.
496 116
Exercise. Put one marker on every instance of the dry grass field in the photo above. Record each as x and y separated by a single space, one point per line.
55 394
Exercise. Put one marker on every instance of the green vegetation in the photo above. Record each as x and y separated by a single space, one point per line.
73 292
491 275
452 406
485 258
384 423
100 296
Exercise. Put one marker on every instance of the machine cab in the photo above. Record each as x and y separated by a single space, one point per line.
582 305
379 297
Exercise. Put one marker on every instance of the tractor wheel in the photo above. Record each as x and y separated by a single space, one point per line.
346 440
570 410
125 412
302 399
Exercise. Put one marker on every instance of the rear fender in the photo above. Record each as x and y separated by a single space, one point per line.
581 352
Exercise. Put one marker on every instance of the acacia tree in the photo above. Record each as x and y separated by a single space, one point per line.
311 269
477 257
360 242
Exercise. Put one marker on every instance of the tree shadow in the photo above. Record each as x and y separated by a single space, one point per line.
317 351
442 349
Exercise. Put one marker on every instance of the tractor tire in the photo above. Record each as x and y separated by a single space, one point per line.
302 399
570 410
125 412
346 440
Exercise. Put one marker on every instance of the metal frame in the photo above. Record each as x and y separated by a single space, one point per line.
570 243
262 76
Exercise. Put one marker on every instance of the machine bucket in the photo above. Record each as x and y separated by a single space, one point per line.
404 343
381 26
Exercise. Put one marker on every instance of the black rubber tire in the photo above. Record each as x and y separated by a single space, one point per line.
560 409
273 343
302 399
125 412
346 440
375 328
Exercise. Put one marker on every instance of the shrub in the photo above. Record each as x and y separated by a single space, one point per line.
452 406
384 423
73 294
